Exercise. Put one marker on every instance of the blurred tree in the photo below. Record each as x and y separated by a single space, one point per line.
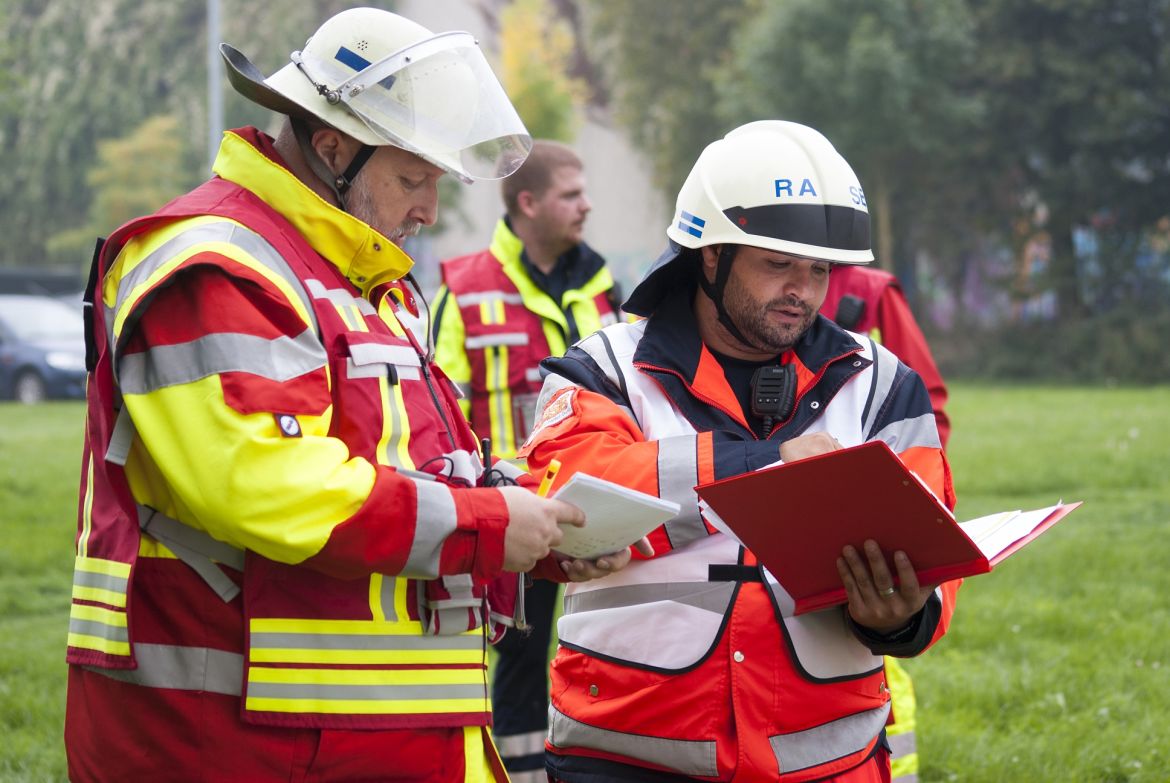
90 71
535 51
660 60
884 81
1078 96
123 188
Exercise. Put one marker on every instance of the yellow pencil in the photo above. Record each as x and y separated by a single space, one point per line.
550 473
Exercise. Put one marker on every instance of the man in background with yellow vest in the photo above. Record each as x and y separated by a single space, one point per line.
870 301
285 544
536 290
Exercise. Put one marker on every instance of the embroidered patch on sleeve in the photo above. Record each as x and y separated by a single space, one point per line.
559 408
288 424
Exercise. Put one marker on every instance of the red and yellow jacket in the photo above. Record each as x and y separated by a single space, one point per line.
692 661
278 489
493 326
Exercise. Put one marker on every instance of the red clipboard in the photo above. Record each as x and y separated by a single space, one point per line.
797 517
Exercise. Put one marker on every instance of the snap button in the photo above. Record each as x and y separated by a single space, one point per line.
738 656
814 405
593 690
377 246
857 363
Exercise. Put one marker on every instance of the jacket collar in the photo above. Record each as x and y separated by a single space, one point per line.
671 345
361 253
584 262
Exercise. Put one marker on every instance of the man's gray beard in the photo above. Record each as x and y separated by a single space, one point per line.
360 204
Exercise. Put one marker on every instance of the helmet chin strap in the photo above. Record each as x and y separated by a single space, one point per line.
338 183
714 291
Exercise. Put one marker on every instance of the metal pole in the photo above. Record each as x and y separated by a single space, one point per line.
214 94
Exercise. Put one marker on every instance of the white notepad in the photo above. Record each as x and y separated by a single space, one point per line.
615 516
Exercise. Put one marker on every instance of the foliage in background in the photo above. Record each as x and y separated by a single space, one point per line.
123 188
883 81
661 60
1056 666
87 72
535 49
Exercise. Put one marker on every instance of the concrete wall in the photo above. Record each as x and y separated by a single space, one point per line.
628 221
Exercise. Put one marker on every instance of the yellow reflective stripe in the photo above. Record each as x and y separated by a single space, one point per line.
98 595
366 706
367 676
87 642
499 398
87 510
352 627
97 614
96 565
375 598
439 657
477 768
556 338
139 247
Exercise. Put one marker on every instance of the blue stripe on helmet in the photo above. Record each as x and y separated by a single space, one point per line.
695 232
696 220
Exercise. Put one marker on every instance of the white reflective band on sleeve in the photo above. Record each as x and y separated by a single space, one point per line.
470 300
829 741
435 519
514 746
678 473
280 359
908 433
503 338
689 757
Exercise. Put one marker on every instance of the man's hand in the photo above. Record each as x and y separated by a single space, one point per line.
874 601
583 570
808 446
533 527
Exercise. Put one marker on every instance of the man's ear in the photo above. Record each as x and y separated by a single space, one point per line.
333 148
526 203
710 260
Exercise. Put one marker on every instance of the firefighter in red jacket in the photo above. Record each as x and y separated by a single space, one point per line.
537 289
870 301
691 664
286 545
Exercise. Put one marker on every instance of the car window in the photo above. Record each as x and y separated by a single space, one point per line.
41 318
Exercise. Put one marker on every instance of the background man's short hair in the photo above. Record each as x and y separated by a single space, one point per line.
536 174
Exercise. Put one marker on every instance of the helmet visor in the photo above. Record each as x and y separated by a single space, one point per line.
440 99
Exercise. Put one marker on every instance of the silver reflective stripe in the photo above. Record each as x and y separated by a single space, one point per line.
689 757
387 595
434 520
464 389
908 433
248 241
470 300
902 744
509 469
121 438
344 692
379 370
884 369
678 473
196 549
277 640
378 353
113 633
339 297
710 596
183 669
829 741
513 746
96 581
279 359
503 338
449 616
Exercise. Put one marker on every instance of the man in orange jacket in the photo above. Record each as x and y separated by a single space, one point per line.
692 664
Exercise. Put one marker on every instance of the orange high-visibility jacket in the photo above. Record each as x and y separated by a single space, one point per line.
691 661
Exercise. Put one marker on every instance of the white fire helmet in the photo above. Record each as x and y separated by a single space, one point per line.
771 184
384 79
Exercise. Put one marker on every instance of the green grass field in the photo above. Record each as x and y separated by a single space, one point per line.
1057 666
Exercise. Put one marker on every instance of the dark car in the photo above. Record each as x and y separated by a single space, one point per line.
42 349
